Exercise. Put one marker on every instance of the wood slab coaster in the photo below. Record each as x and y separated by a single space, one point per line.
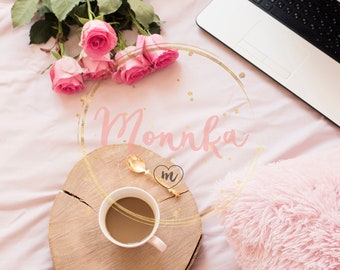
76 241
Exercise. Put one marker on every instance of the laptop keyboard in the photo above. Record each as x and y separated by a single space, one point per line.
317 21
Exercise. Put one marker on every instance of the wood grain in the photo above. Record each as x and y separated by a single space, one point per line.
76 241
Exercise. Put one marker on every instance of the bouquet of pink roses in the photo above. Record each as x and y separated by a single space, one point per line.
104 52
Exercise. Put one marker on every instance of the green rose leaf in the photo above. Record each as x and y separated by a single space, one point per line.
46 3
79 11
23 11
154 28
62 7
41 31
144 12
43 10
108 6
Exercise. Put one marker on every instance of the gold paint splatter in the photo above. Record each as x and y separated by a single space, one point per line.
190 94
260 149
187 127
222 191
239 181
211 147
229 158
88 211
177 212
191 53
224 114
236 111
150 155
242 75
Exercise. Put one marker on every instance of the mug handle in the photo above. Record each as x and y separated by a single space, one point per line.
157 243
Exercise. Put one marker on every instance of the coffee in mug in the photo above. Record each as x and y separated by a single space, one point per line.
128 228
129 217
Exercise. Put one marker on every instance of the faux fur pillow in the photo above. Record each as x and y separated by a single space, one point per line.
288 215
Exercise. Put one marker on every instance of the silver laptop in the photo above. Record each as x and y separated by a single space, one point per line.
250 29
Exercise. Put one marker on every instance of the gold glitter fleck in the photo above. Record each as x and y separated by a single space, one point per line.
242 75
177 212
190 94
224 114
88 211
150 154
239 181
187 127
236 111
191 53
260 149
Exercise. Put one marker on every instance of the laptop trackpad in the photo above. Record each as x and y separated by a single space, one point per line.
280 51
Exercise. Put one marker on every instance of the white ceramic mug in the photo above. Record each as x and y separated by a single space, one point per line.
131 192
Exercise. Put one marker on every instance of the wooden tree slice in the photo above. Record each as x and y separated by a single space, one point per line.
76 241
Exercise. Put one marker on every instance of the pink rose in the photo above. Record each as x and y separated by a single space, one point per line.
131 66
154 50
96 68
66 76
97 38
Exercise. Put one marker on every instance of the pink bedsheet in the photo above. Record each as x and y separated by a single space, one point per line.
237 116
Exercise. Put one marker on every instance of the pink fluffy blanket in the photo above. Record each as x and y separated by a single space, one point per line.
287 215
